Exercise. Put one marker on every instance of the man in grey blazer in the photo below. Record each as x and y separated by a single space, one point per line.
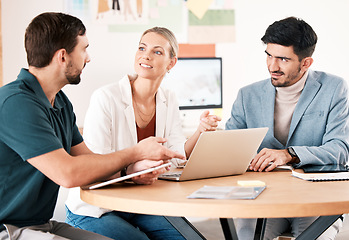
306 112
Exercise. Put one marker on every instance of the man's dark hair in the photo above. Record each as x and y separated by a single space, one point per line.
49 32
294 32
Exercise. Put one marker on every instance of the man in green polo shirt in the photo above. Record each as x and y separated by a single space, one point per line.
40 145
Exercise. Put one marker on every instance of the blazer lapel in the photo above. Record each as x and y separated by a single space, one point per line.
267 105
309 92
128 111
131 121
161 113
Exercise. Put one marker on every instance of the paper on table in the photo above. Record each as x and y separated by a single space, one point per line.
339 176
227 192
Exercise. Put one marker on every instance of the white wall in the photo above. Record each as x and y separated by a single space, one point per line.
243 61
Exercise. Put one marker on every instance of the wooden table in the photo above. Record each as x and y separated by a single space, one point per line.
284 196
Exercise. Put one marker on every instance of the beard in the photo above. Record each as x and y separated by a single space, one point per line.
289 80
74 79
73 76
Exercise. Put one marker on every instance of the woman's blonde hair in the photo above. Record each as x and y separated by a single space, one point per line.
166 33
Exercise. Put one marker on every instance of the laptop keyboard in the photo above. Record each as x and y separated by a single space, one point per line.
171 174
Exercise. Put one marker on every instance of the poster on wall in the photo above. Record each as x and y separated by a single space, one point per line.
121 12
78 8
211 21
201 21
129 15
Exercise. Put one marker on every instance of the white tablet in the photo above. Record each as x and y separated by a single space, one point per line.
119 179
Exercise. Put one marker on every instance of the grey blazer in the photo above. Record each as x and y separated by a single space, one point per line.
319 131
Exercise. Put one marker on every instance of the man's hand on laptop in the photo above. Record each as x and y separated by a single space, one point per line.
151 148
268 159
148 178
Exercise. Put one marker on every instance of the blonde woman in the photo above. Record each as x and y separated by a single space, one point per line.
122 114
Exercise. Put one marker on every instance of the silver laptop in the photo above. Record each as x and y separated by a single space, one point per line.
220 153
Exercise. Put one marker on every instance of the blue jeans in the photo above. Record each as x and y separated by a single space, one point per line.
123 225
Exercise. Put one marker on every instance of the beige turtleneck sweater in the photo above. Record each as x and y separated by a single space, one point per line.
286 99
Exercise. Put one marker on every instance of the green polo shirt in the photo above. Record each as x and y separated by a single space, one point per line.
30 127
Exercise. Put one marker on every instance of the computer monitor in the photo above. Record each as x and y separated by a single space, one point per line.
197 82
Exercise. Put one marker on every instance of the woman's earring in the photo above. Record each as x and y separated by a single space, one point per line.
168 71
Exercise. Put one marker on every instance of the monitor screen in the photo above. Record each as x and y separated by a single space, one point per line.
197 82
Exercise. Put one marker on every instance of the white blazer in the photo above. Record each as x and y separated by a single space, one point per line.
110 126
